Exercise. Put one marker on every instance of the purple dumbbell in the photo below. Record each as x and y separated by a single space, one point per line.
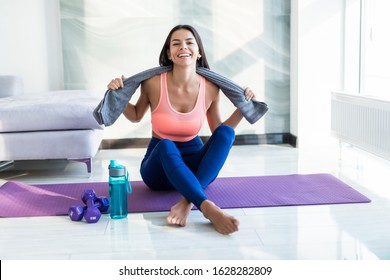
102 203
93 209
76 212
92 213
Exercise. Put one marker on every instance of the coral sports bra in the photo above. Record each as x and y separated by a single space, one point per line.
179 127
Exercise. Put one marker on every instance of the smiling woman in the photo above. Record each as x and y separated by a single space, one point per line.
180 100
187 39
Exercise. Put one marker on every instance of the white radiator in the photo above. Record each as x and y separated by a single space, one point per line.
362 121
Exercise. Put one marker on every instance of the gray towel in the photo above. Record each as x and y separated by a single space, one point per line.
115 101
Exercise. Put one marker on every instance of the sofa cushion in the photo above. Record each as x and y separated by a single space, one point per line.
54 110
41 145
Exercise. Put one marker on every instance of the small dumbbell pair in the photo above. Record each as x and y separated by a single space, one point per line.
93 210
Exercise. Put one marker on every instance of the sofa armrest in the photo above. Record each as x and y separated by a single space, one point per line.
10 86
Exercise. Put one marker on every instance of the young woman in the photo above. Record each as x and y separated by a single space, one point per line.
180 100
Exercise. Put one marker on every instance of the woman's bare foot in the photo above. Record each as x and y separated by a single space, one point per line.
179 213
221 221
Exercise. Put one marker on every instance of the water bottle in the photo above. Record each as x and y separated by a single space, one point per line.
119 188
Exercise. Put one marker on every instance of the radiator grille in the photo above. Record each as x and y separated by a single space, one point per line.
362 121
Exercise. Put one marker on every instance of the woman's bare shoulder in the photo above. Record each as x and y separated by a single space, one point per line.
212 88
151 84
152 81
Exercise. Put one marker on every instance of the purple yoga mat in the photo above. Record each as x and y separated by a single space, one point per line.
20 200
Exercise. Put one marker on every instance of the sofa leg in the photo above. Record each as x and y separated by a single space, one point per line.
6 164
87 161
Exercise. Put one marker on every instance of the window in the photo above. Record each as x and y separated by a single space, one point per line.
375 55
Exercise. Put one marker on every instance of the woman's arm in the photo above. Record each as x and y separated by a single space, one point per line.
133 113
213 114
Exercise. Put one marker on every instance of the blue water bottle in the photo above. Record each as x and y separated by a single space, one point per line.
119 188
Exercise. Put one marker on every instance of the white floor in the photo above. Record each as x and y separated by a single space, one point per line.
328 232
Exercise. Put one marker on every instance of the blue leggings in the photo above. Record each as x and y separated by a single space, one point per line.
188 167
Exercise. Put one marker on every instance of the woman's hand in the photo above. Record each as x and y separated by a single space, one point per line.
249 95
116 83
236 117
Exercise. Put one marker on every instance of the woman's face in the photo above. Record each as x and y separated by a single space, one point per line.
183 48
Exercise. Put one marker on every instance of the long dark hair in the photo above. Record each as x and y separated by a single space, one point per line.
164 59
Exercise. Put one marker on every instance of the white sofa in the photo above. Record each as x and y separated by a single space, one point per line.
50 125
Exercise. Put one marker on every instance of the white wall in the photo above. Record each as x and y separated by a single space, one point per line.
31 43
316 67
